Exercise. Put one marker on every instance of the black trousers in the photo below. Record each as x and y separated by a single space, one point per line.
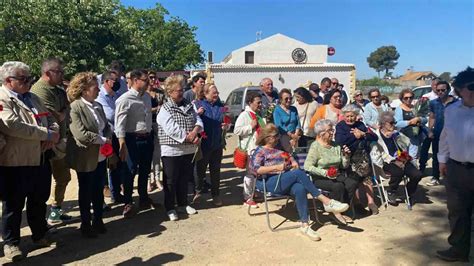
140 154
25 183
342 188
214 160
176 173
398 173
460 193
91 187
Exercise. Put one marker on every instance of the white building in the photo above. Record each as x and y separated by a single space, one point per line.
288 62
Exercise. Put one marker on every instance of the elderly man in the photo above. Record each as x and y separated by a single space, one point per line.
334 86
30 133
269 98
110 90
133 127
49 90
456 163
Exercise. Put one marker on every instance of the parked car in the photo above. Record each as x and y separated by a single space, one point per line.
236 101
418 92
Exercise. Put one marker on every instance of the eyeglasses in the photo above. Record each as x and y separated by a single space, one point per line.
23 79
57 71
152 77
375 96
391 122
287 99
408 98
144 80
357 95
334 83
336 97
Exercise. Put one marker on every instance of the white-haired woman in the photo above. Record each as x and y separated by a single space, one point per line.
354 134
390 153
178 131
327 162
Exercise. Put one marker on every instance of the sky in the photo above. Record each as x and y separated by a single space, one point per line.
430 35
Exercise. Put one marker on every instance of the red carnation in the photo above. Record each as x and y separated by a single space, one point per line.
227 120
203 135
106 150
331 172
1 107
285 155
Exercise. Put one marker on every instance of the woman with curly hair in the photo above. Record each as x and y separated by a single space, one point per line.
89 131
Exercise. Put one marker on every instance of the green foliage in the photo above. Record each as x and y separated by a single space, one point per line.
446 76
88 34
384 59
376 82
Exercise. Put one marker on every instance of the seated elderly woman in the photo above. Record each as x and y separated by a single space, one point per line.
327 162
283 177
354 134
390 153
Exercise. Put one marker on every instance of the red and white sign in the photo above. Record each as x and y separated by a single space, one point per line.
331 51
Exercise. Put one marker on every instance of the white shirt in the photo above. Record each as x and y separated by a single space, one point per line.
101 125
133 113
457 138
174 131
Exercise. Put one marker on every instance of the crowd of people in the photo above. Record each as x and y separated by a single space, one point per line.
112 127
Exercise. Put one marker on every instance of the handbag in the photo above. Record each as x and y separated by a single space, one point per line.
361 162
241 156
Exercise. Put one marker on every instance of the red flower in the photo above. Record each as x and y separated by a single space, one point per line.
203 135
1 107
332 172
404 156
285 155
39 115
106 150
227 120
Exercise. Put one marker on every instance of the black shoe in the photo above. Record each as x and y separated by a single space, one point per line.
392 199
450 255
88 232
99 227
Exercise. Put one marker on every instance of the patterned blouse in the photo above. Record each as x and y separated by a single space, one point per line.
264 156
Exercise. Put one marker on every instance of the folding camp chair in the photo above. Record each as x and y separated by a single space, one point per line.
377 181
386 176
267 196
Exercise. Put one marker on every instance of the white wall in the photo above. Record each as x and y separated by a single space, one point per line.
226 81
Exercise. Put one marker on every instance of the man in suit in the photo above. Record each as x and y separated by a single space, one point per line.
30 134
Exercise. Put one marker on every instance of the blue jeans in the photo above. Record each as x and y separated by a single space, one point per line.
91 185
297 184
140 153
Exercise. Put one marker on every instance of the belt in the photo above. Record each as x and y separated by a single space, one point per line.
140 135
466 164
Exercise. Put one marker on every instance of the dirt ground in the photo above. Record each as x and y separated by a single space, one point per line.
228 235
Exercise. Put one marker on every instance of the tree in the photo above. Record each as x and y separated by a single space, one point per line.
446 76
383 59
87 35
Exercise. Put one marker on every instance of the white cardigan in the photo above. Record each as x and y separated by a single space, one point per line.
243 129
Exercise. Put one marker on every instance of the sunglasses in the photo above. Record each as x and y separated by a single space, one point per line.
392 123
334 83
358 95
408 98
287 99
152 77
376 96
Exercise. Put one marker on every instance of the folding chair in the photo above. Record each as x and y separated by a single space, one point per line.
386 176
379 185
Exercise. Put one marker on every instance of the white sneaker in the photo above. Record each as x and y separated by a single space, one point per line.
173 215
188 209
336 206
307 231
433 182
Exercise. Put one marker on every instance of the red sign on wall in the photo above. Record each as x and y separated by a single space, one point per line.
331 51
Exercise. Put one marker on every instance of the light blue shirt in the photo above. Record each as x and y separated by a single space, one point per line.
133 113
371 114
457 138
108 103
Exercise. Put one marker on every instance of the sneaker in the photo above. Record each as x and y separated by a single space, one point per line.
128 211
336 206
392 199
217 201
58 216
433 182
307 231
173 215
188 209
12 253
451 256
251 203
374 209
45 242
